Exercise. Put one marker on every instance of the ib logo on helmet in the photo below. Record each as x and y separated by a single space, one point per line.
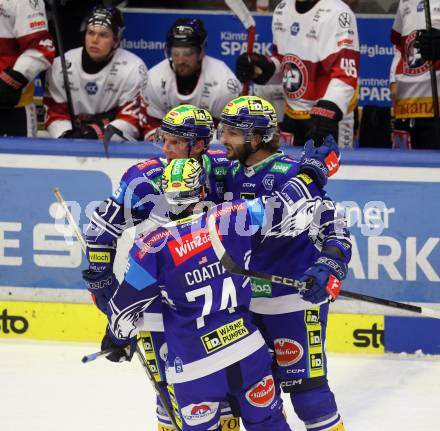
255 106
294 28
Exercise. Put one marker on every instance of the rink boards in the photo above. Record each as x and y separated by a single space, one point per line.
349 333
390 199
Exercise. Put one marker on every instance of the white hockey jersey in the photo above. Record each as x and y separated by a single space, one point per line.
217 86
25 43
409 70
316 55
112 95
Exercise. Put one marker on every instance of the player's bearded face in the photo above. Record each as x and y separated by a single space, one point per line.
99 42
233 139
186 60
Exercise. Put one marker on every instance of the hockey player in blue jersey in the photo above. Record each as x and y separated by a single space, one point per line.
293 324
185 131
214 349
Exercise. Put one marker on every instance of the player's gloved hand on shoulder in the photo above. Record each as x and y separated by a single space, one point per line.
324 119
324 278
320 162
257 68
11 85
428 43
102 286
122 350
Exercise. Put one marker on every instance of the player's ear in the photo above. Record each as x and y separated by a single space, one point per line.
201 54
198 148
256 139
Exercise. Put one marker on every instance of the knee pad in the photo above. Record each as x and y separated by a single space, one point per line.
316 405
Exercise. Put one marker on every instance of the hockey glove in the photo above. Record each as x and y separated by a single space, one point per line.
257 68
429 44
326 276
324 119
86 131
102 286
122 350
320 162
11 84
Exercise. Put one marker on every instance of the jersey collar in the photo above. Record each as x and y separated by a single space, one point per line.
249 171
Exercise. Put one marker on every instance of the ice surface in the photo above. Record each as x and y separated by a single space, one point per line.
45 387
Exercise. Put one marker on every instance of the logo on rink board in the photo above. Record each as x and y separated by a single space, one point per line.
367 337
224 335
356 333
10 323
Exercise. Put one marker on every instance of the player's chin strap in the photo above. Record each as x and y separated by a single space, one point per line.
231 266
248 150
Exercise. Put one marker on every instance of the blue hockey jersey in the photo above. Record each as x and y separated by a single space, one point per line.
206 317
263 179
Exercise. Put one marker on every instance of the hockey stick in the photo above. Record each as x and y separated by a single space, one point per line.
244 15
63 63
232 267
96 355
433 76
156 386
70 219
109 132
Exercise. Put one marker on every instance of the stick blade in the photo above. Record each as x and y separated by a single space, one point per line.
242 12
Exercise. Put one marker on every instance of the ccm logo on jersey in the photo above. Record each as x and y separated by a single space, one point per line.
288 352
262 394
196 414
189 245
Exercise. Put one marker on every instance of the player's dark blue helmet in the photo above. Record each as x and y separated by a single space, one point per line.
187 32
105 16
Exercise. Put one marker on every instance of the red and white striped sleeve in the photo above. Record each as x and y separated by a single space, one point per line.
35 44
339 59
